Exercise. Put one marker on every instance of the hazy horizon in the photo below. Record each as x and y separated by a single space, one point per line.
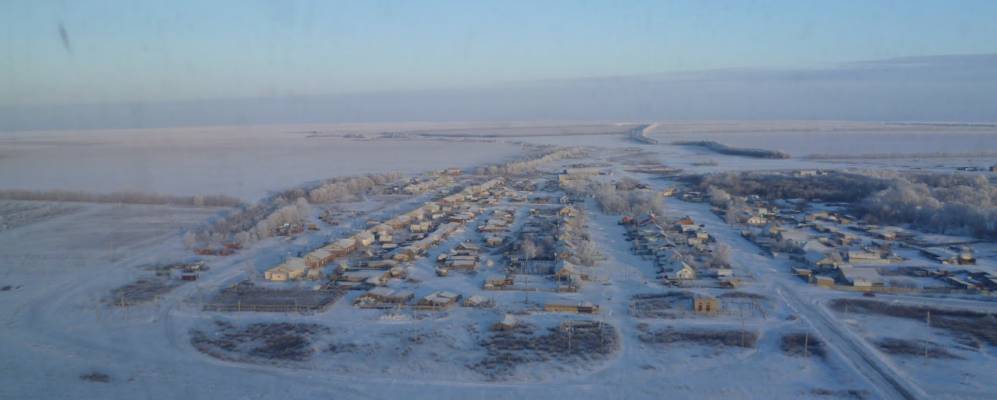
115 64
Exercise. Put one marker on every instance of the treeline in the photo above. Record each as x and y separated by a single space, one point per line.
893 156
532 163
622 197
251 223
931 202
120 197
735 151
834 186
939 203
350 188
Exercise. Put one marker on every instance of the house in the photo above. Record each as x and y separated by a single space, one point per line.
319 258
420 227
803 272
582 171
382 297
440 300
292 269
724 272
583 308
966 256
493 240
687 272
498 283
365 238
379 264
568 212
824 281
566 271
867 257
370 277
313 274
794 237
467 247
885 233
685 224
756 220
707 305
463 263
508 322
959 283
479 301
860 277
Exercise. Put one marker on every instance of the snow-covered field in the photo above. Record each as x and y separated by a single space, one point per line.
242 162
63 338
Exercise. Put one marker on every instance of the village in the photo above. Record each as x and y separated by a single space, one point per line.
518 251
832 249
556 264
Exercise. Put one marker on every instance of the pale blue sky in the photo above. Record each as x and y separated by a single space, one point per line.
150 51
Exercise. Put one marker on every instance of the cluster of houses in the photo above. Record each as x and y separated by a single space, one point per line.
434 181
832 249
683 251
386 298
547 246
576 173
496 228
463 257
415 225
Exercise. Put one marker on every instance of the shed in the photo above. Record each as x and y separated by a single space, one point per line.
508 322
706 305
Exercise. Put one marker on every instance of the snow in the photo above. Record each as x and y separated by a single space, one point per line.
62 259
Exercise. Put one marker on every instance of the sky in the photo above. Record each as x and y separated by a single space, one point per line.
97 53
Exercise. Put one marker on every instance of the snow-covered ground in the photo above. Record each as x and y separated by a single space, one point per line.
60 261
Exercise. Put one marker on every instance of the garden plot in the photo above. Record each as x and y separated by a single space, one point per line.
246 296
710 337
259 342
575 344
142 291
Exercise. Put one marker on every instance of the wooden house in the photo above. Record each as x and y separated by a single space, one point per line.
382 297
707 305
440 300
291 269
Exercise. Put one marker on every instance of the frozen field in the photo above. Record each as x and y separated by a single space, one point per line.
63 336
241 162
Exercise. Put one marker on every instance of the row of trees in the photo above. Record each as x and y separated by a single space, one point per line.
834 186
251 224
943 204
617 198
933 202
292 206
347 189
120 197
532 163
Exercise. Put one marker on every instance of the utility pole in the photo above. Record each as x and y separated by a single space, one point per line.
927 321
526 289
806 344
